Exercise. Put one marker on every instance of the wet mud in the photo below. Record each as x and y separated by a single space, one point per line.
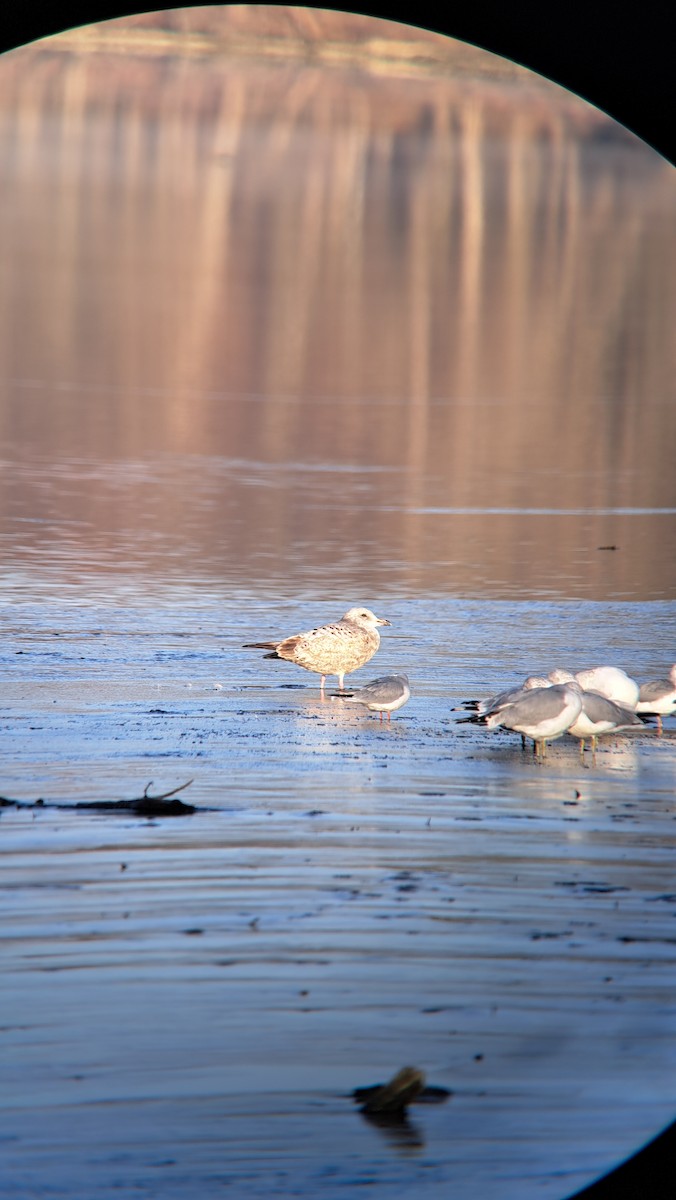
195 1001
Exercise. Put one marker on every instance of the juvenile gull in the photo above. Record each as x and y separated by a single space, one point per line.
333 649
382 695
600 715
560 676
542 714
658 697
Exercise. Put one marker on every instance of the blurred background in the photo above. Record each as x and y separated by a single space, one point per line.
292 297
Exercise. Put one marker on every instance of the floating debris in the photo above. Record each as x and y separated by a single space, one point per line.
392 1099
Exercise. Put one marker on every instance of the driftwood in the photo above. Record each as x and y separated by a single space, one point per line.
143 806
389 1101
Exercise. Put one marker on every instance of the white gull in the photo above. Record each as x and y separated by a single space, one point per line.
383 695
542 714
601 715
658 697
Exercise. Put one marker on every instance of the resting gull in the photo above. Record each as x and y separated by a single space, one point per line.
612 682
600 715
382 695
493 703
658 697
542 714
333 649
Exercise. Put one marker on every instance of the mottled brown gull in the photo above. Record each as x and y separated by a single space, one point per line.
382 695
657 698
333 649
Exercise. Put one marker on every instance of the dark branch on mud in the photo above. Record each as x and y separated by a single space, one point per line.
143 806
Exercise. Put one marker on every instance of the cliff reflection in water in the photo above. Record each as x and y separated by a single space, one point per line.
380 319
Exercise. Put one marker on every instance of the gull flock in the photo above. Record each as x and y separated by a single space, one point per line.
585 704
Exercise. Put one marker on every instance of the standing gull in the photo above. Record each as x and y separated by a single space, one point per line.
382 695
494 704
333 649
658 697
542 714
600 715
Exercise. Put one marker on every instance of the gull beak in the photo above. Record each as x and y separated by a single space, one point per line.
382 621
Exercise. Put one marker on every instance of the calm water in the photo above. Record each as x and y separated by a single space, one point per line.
278 339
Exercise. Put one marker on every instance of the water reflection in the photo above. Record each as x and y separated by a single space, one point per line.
275 324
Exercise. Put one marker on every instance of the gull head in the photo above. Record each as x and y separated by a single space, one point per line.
364 617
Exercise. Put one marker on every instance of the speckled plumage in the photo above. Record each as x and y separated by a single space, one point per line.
335 649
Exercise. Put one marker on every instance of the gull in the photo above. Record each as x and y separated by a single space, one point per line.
601 715
560 676
658 697
493 703
382 695
542 714
612 682
333 649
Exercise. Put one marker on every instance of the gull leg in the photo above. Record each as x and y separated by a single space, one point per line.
659 725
